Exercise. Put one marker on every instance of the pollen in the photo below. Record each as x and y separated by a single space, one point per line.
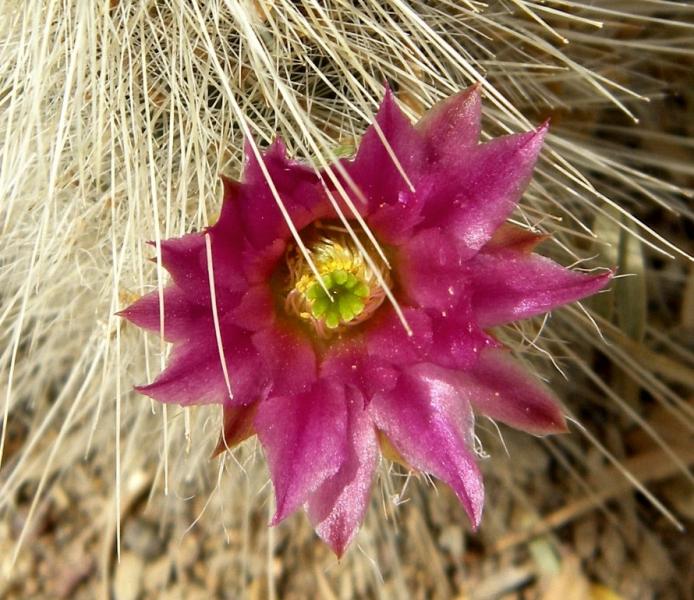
348 292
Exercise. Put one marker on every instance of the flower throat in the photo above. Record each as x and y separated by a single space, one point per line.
355 293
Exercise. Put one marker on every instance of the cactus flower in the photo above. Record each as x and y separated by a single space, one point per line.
316 360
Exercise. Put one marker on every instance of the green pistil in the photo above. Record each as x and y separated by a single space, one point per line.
348 292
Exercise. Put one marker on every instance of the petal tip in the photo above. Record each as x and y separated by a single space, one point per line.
338 540
388 103
338 549
142 389
609 274
535 137
555 426
150 390
474 508
473 92
281 513
600 281
561 427
230 184
538 135
278 148
128 314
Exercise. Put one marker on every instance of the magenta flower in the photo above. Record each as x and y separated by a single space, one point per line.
323 380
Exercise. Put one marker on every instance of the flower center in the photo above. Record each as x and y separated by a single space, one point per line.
353 289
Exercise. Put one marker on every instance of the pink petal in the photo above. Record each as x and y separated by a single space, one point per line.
184 259
430 270
256 309
432 276
501 389
194 373
297 186
229 220
457 338
431 426
337 507
512 237
228 241
507 286
304 437
475 197
452 124
352 366
373 170
387 339
181 317
238 427
288 358
259 265
393 223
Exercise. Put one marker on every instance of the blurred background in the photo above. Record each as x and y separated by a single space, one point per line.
115 120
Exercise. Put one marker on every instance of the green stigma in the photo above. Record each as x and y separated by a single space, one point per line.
348 301
339 292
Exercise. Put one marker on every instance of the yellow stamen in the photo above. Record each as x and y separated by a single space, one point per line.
354 292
